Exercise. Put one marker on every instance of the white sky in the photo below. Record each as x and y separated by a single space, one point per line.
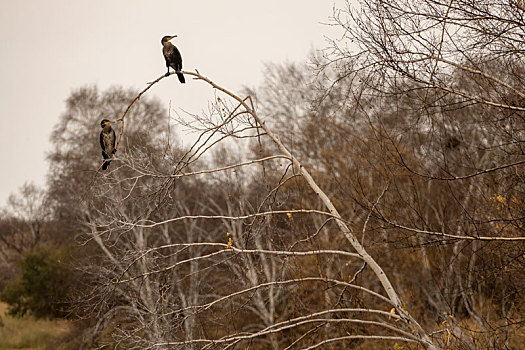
49 47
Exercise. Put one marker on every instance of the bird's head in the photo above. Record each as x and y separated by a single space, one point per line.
167 38
104 122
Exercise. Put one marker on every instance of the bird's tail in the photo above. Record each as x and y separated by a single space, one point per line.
106 164
181 77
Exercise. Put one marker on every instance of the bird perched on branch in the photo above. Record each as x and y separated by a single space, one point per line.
172 57
107 142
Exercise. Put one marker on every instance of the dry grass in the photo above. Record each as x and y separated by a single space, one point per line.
29 333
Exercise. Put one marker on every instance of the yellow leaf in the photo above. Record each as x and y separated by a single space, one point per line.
230 241
392 311
289 216
227 234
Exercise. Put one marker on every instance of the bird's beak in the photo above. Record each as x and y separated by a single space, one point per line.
173 36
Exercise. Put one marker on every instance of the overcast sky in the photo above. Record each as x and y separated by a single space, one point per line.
49 47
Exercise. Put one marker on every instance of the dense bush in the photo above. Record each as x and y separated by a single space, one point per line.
41 287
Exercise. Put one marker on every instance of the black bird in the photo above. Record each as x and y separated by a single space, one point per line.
107 142
172 57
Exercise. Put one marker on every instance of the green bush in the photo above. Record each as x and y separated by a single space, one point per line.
41 287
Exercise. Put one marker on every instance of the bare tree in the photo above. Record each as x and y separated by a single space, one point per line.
445 78
269 266
376 205
24 224
26 213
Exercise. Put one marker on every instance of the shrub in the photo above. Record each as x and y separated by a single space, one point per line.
41 287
